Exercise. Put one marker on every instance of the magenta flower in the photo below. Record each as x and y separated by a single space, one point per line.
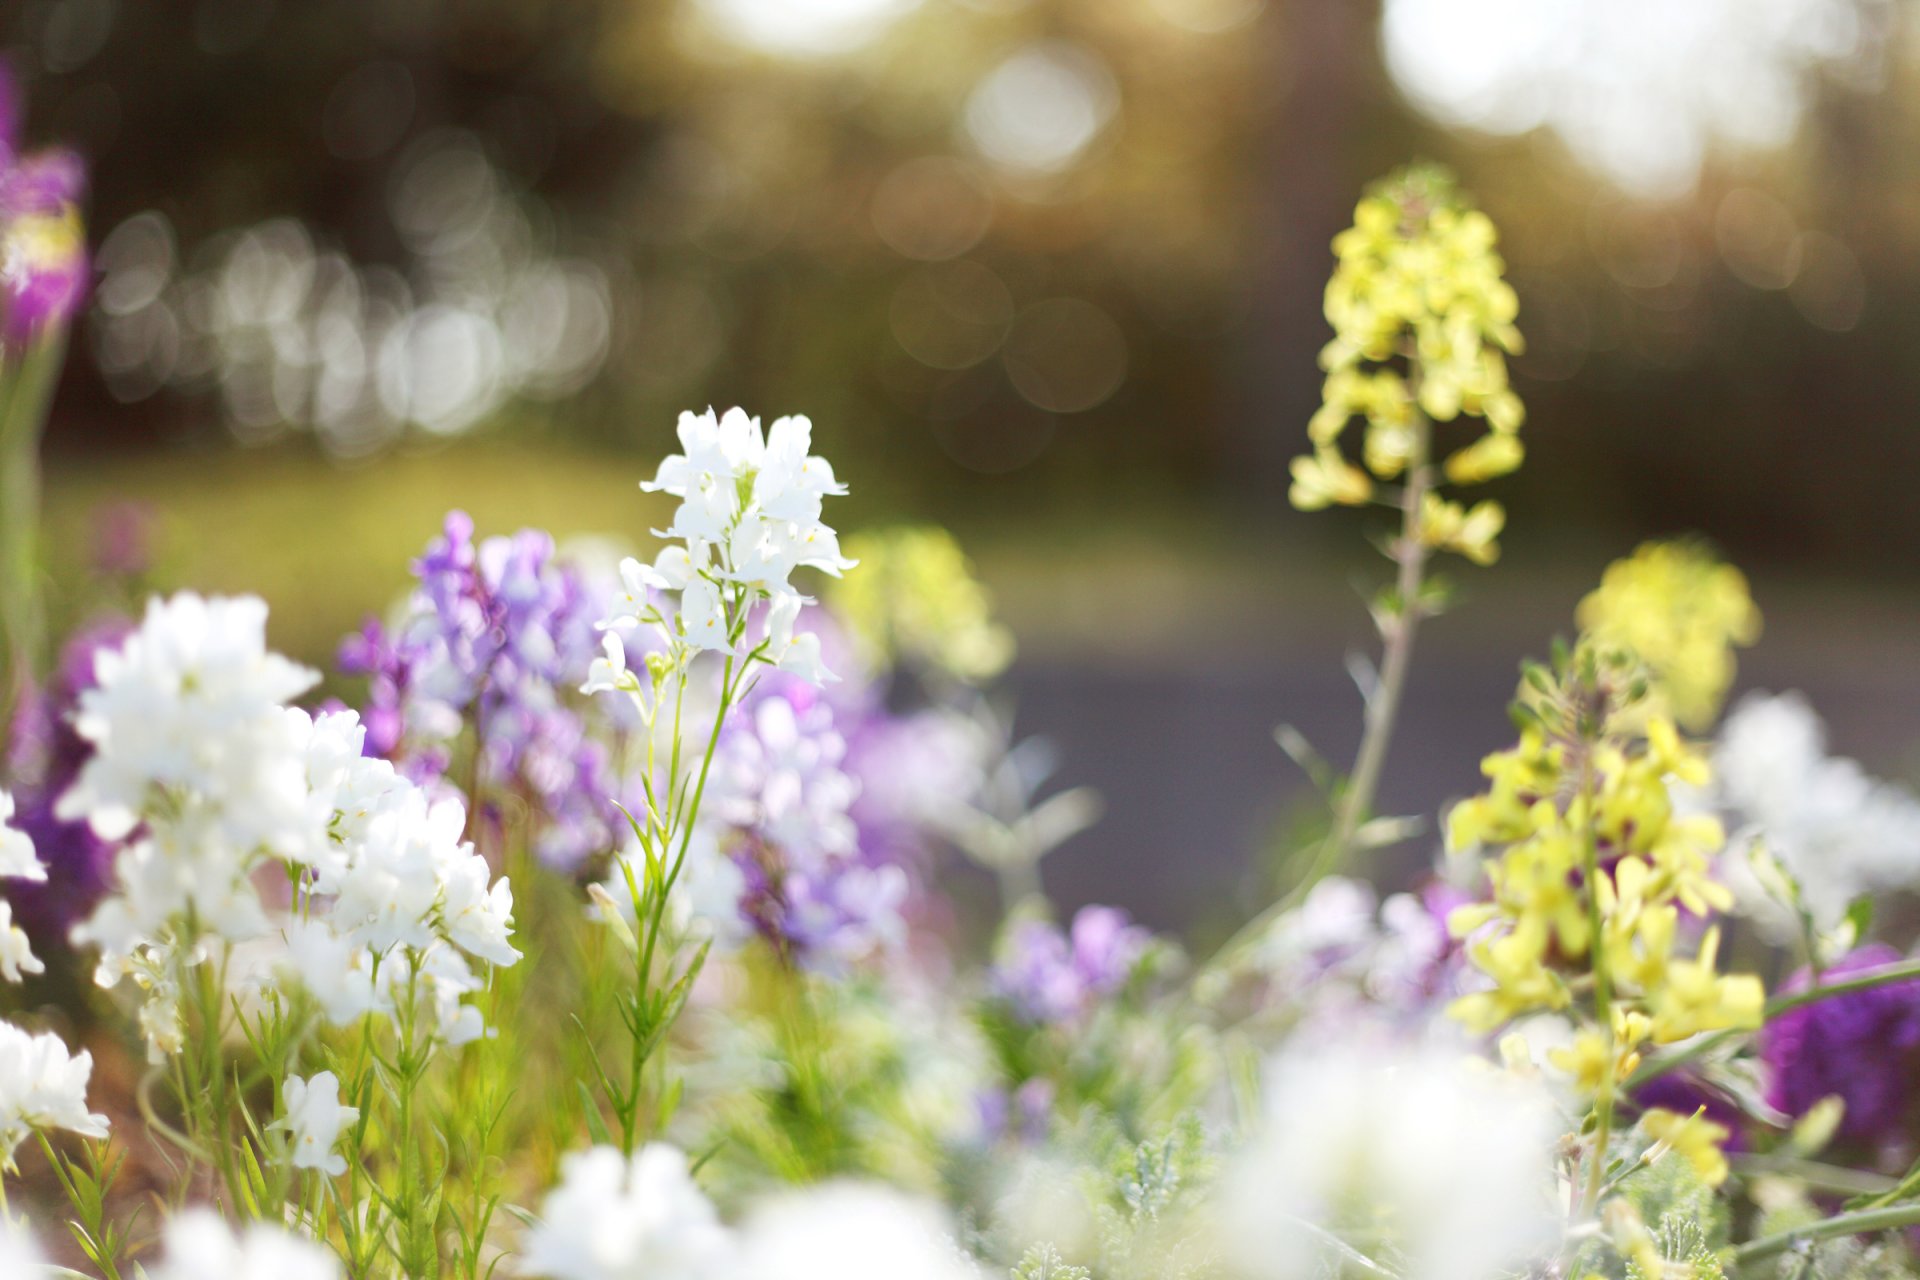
43 243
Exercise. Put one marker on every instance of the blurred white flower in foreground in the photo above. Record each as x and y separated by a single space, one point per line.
1838 831
612 1218
19 1254
849 1231
200 1246
1442 1159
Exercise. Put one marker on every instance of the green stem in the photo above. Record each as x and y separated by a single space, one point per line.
1827 1177
1397 635
25 394
1845 1224
1602 985
1783 1003
1383 707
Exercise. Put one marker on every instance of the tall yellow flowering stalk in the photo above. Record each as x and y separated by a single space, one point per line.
1423 322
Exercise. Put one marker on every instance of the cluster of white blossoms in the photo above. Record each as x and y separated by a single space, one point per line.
42 1086
197 755
615 1218
1449 1156
749 516
1835 829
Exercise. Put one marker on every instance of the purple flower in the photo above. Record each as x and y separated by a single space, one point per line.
1863 1046
1050 977
44 755
43 246
494 643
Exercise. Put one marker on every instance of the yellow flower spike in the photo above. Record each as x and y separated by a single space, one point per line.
1694 1138
1417 278
1586 1061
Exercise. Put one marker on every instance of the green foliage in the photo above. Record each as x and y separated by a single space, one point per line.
1043 1262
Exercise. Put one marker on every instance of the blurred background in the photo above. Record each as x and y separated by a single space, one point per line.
1046 271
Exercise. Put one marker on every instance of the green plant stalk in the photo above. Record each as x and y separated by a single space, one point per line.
1397 637
1844 1224
25 394
1602 987
1396 658
1775 1007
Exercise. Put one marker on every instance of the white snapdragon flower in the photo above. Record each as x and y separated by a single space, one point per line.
849 1231
16 949
314 1119
42 1086
18 861
200 1246
1452 1156
189 714
612 1218
1838 831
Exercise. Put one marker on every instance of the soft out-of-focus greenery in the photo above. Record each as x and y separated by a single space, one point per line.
1012 255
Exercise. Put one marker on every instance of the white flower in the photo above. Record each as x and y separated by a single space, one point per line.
200 1246
20 1255
42 1086
335 972
314 1119
17 858
1450 1157
16 949
608 673
848 1231
1838 831
617 1219
191 705
476 918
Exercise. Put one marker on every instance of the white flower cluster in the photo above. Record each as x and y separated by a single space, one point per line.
201 1246
1452 1157
195 749
614 1218
42 1086
749 516
18 861
1836 830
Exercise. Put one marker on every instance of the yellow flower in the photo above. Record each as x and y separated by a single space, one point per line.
917 598
1696 1139
1326 478
1683 612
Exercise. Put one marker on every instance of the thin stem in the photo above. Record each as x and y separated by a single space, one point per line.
1602 985
1397 635
1783 1003
1845 1224
25 392
1827 1177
